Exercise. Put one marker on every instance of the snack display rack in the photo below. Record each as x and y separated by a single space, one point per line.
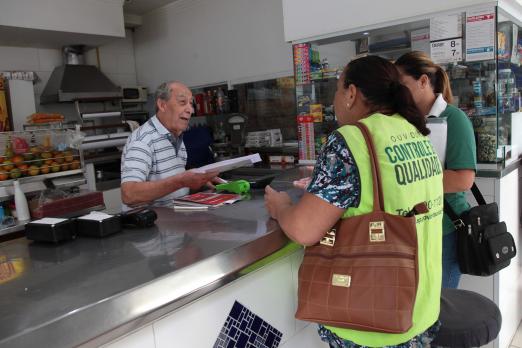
33 156
38 159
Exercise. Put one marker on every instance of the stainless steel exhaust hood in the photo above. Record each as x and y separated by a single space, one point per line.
77 81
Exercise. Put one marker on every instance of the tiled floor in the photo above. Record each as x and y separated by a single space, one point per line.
517 340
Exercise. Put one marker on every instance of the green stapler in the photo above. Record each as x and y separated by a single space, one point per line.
237 186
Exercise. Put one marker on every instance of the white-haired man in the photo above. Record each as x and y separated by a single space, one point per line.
154 158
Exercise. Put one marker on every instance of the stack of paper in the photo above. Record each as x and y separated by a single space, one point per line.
204 200
230 164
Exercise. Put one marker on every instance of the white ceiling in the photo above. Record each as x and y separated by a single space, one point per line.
140 7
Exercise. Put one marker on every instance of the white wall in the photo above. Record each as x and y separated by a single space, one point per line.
99 17
207 41
305 19
116 61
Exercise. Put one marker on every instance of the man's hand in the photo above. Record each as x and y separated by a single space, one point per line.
214 181
194 180
275 201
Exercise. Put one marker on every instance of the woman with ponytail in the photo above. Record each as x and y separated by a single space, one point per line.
369 92
431 90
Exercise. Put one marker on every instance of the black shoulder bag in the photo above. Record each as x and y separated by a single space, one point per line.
484 246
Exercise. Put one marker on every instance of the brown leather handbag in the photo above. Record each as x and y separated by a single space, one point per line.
363 274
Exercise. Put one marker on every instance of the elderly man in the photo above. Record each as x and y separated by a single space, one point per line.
154 158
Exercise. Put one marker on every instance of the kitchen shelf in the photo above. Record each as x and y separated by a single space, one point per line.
18 226
40 177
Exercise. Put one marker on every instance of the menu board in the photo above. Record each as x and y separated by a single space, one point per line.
446 51
480 34
445 27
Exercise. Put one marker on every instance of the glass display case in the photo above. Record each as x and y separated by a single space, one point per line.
247 117
315 81
486 86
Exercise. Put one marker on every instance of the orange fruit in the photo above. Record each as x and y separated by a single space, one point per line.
55 167
3 176
34 170
44 168
46 155
68 156
17 159
75 164
7 166
23 168
15 173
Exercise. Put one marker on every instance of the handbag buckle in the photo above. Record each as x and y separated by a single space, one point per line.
343 280
459 223
377 233
329 238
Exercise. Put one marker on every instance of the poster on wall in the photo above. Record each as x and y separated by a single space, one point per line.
480 34
446 51
445 27
4 114
420 40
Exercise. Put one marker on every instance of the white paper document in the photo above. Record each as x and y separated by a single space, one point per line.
96 216
49 221
438 136
230 164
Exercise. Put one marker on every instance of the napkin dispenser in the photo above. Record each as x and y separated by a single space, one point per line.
51 230
98 224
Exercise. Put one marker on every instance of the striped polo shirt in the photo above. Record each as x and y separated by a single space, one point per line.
153 153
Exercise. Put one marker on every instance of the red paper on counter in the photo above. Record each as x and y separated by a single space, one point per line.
208 199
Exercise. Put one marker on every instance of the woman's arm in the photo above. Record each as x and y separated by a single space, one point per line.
305 222
458 180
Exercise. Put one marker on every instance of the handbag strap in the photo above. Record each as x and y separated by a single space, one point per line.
451 213
378 199
477 194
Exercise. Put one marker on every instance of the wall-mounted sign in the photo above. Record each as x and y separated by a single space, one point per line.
445 27
480 34
420 40
446 51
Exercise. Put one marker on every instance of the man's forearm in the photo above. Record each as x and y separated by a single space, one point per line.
134 193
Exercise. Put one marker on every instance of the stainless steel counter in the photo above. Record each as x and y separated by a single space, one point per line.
497 170
90 291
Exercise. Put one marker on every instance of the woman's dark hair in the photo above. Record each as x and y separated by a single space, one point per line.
378 80
417 63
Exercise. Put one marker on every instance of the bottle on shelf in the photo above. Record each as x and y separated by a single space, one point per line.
22 208
220 101
208 102
214 103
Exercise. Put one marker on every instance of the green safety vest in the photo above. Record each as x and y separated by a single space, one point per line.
411 173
